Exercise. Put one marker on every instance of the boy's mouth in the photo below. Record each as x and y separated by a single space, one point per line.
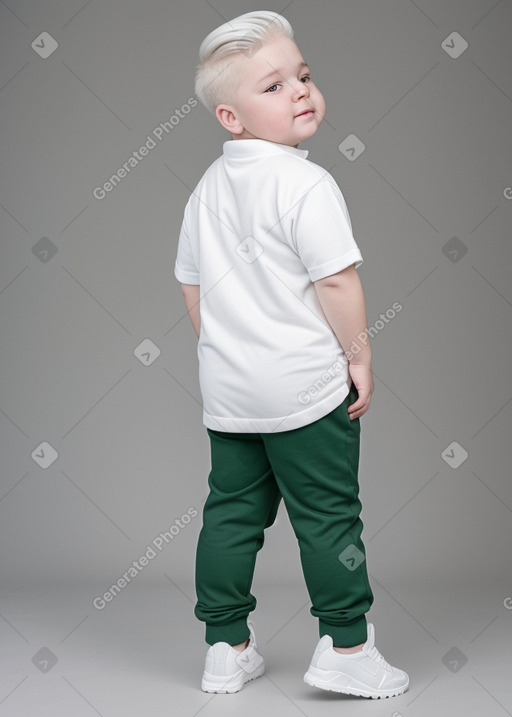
307 112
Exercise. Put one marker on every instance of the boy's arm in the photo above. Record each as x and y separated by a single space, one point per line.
191 295
342 300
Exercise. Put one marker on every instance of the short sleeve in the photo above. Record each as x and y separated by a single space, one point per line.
322 231
185 269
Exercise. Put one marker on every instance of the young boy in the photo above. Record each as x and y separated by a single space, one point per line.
267 263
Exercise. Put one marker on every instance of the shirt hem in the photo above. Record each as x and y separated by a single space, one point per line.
353 256
186 277
281 423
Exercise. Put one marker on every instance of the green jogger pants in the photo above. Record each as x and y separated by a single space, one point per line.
314 469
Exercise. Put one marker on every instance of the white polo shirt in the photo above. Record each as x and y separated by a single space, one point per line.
261 226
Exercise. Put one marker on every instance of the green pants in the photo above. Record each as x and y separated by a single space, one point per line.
314 470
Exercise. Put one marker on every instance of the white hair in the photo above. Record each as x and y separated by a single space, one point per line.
217 76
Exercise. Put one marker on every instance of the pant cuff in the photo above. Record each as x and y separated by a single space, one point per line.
233 633
345 635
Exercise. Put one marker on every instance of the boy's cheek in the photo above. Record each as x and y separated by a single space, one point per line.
321 102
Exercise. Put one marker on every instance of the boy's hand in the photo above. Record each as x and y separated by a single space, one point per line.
362 376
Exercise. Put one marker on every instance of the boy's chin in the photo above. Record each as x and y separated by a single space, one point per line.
307 135
291 141
297 138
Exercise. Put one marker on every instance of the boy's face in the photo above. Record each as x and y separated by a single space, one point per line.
276 99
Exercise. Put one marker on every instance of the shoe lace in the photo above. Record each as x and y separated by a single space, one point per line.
374 654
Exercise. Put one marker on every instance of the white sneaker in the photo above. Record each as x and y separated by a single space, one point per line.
365 673
227 669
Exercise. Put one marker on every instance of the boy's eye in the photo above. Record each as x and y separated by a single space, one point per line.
304 79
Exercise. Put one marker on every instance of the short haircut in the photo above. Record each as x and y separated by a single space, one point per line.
218 76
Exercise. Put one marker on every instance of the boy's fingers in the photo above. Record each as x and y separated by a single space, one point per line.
357 406
360 406
357 413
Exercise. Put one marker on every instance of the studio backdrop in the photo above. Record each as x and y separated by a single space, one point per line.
104 455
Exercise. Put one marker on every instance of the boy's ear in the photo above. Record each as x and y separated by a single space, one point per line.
228 119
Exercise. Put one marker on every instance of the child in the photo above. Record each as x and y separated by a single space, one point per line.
267 263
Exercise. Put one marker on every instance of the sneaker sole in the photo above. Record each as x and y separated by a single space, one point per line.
326 680
229 685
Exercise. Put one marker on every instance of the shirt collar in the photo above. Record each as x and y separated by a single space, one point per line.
240 148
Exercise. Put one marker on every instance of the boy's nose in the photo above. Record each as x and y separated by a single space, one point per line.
300 90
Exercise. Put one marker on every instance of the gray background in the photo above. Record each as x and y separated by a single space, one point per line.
430 202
